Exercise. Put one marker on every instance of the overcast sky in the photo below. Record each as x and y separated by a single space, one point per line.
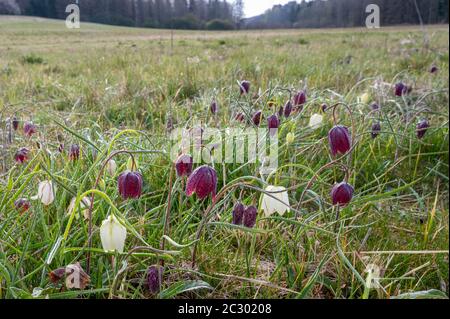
255 7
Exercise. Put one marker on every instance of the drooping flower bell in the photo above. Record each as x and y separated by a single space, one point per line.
29 129
342 194
154 274
315 121
376 129
111 167
340 140
239 117
279 203
287 109
238 213
400 89
113 235
299 98
130 184
85 203
46 193
61 148
434 69
22 205
256 118
273 122
244 87
213 107
74 152
15 123
290 138
184 165
21 155
203 182
249 219
374 106
324 107
422 128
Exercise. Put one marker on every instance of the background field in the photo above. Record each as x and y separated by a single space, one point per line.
88 85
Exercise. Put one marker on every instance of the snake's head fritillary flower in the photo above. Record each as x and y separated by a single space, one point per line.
130 184
290 138
22 205
277 202
422 128
154 274
21 155
324 107
239 117
74 152
400 89
287 109
434 69
376 129
213 107
315 121
29 129
113 235
203 182
244 87
111 167
375 106
184 165
256 118
342 194
61 148
340 140
299 98
15 123
249 219
273 122
85 204
238 213
46 193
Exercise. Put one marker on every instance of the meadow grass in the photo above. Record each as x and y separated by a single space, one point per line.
112 88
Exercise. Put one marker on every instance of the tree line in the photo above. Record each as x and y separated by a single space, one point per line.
179 14
221 14
350 13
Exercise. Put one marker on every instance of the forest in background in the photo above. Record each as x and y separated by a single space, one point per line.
225 15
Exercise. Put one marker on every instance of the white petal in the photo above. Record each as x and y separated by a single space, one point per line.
112 235
315 121
279 204
46 192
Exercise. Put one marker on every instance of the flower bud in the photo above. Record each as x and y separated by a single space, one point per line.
184 165
238 214
256 118
74 152
154 274
376 129
61 148
203 182
22 205
21 155
299 98
244 87
324 107
287 109
290 138
29 129
342 194
130 184
340 140
113 235
422 128
250 214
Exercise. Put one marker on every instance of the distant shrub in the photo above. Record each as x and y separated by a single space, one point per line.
218 24
303 41
32 59
188 22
